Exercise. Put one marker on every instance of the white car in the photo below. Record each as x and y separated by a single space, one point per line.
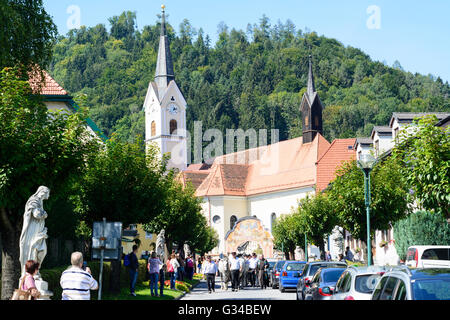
428 257
358 283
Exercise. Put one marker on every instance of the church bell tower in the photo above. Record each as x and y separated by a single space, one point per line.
165 107
311 108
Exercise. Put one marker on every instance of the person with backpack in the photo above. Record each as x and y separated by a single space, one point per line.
131 261
189 267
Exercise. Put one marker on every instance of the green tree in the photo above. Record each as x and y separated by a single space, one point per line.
36 148
27 34
182 219
388 197
420 228
288 233
317 219
423 149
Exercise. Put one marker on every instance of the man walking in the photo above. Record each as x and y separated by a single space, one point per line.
234 268
210 271
133 269
262 266
252 264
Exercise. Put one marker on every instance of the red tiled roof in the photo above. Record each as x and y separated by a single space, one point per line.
48 87
332 159
284 165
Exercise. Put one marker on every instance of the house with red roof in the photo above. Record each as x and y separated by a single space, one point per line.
57 98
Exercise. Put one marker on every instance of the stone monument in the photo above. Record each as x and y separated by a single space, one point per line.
160 242
32 239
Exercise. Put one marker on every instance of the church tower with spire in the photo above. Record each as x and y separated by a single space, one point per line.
311 108
165 107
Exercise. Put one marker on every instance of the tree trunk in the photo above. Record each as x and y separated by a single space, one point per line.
10 262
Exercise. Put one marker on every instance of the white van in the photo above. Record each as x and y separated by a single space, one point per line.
428 257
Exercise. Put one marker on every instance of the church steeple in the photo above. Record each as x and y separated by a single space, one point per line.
164 64
310 87
311 108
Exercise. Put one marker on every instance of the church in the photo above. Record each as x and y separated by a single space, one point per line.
244 192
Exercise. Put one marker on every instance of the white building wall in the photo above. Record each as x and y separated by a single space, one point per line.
262 206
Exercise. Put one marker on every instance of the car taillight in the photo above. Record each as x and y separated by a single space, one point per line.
284 274
277 274
349 298
323 293
416 257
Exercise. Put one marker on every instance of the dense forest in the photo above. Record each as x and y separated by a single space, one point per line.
247 79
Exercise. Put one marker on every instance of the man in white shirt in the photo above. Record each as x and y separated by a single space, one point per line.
252 264
234 268
76 282
210 270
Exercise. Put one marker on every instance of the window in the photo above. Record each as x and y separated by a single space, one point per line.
306 121
233 220
366 283
388 291
379 288
173 126
396 132
216 219
401 291
436 254
153 128
316 121
344 282
273 217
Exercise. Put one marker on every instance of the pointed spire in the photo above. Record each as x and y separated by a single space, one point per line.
164 65
310 88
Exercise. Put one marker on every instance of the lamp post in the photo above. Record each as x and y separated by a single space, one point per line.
366 163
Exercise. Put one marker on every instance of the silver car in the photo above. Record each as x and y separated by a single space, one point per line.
358 283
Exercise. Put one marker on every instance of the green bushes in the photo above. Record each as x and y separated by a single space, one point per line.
420 228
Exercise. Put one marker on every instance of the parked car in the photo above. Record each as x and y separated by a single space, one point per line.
323 283
290 273
308 272
275 273
428 257
358 283
414 284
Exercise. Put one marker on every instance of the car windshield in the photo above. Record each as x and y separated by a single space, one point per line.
366 283
315 267
431 289
332 275
279 265
294 267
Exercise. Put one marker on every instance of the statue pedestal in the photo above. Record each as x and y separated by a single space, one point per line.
42 286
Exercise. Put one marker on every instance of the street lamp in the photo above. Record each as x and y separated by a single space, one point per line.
366 163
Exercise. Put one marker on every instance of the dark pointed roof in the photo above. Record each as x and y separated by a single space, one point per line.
310 88
164 64
311 94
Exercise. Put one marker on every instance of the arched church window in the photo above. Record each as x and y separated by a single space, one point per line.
173 126
153 128
306 121
233 220
316 120
273 217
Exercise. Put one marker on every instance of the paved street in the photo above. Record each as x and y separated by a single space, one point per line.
201 293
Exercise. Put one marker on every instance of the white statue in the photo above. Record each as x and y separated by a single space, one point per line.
187 250
34 232
160 241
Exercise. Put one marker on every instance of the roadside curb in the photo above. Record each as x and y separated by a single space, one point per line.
193 286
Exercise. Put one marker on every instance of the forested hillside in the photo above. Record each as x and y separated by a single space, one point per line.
247 79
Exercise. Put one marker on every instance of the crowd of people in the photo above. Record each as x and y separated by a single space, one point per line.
241 271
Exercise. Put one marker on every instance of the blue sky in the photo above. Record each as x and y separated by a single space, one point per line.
416 33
